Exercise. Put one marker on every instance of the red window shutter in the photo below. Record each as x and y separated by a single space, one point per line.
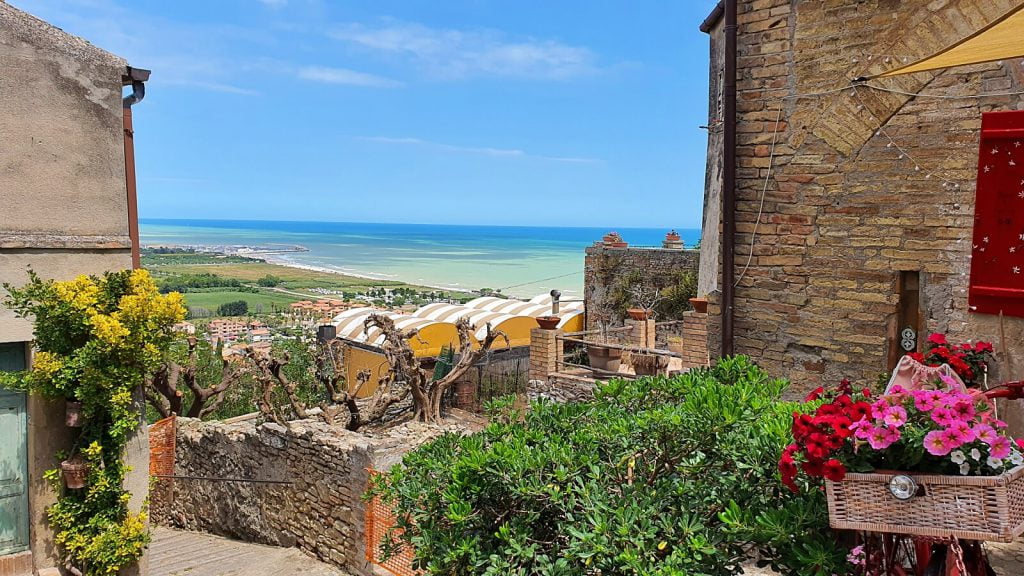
997 265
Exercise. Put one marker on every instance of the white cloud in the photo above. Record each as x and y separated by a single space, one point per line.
451 54
345 76
482 151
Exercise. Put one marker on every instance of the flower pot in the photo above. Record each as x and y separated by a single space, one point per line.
638 313
75 471
548 322
606 359
700 305
648 364
73 414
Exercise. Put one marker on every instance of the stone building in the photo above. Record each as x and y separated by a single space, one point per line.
854 205
67 209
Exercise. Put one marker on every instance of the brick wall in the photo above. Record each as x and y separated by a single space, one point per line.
844 213
693 343
605 267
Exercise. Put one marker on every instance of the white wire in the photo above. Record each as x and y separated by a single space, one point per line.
764 191
939 96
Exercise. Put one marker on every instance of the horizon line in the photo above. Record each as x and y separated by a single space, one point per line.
609 228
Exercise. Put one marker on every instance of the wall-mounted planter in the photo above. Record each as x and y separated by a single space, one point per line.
700 305
73 414
75 471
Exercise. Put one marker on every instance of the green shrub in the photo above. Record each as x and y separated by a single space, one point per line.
655 476
269 281
233 308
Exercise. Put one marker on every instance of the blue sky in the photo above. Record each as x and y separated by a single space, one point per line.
527 112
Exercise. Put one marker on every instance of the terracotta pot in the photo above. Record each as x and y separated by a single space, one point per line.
606 359
75 471
648 364
73 414
638 313
700 305
548 322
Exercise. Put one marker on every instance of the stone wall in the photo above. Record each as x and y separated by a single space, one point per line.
606 268
317 507
846 210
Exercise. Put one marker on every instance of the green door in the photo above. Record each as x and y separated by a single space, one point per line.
13 458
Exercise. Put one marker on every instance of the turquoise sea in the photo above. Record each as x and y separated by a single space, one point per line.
521 260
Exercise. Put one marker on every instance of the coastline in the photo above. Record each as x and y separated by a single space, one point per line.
327 270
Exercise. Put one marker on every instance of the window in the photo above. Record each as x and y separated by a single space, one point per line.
997 263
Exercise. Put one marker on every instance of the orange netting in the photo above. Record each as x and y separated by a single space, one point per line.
379 520
161 447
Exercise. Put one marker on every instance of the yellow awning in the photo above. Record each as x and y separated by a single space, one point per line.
1000 40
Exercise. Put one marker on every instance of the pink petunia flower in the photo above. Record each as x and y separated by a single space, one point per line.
985 433
952 438
895 416
964 433
1000 448
924 400
935 443
880 439
943 416
964 411
862 429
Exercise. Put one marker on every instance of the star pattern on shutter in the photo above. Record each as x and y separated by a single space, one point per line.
998 246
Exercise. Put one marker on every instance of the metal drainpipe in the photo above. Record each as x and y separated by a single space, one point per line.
729 181
137 77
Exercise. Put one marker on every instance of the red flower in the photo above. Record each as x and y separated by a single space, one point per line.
815 394
841 424
828 410
834 470
917 356
813 468
845 387
982 347
859 411
802 426
866 392
816 450
937 339
1019 442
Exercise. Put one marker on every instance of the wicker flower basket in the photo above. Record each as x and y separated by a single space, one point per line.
967 507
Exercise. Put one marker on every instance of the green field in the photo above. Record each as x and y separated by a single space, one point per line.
211 300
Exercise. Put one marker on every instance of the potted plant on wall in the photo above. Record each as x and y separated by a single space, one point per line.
97 340
603 311
614 240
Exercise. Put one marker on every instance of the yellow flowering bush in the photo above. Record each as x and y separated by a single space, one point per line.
96 339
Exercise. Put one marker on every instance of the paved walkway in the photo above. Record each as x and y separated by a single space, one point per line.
179 553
